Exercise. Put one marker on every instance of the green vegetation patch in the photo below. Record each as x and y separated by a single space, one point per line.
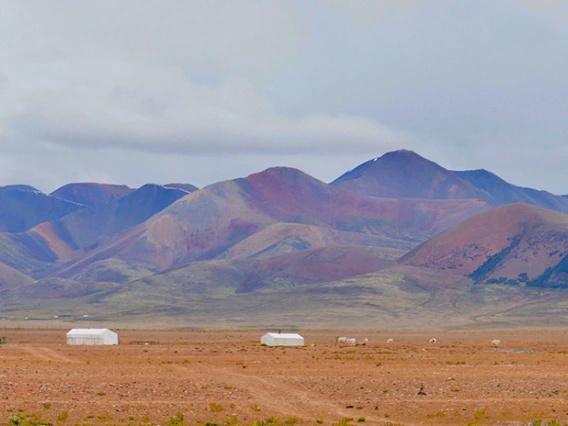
493 261
554 277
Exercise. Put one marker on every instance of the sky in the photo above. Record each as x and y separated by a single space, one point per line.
162 91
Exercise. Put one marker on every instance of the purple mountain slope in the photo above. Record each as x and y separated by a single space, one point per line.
405 174
21 208
91 194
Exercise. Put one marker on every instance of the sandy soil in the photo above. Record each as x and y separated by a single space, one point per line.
227 377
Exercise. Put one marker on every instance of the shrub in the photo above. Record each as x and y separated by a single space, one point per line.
62 416
215 408
479 414
176 420
344 422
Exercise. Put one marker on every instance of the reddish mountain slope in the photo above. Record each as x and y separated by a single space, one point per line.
314 266
515 242
198 226
206 224
230 277
281 238
56 240
11 278
290 195
50 244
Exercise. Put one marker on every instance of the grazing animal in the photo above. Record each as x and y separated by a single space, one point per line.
348 341
496 342
433 340
391 340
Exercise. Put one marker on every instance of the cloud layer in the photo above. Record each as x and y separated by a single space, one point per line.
130 92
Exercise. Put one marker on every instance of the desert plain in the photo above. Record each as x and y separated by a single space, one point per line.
226 377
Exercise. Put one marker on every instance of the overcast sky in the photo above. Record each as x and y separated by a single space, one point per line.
137 91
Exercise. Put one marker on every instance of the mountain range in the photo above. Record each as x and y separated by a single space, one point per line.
398 240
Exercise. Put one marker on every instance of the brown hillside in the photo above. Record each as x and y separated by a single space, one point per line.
10 278
289 195
195 227
315 266
224 278
51 233
514 242
206 224
281 238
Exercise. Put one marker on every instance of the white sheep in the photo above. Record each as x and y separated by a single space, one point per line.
433 340
349 341
496 342
391 340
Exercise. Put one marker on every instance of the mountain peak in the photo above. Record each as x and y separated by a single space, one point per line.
280 171
284 175
397 159
17 187
183 186
91 194
402 154
405 174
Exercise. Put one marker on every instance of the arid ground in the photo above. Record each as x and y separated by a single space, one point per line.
227 377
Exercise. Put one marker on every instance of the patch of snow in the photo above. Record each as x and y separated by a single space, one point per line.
66 200
179 189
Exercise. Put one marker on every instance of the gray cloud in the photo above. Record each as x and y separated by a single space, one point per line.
200 91
53 165
455 75
179 117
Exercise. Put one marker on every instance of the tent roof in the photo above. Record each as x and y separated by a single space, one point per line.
285 335
88 331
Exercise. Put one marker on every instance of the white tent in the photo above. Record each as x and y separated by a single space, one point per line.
92 336
282 339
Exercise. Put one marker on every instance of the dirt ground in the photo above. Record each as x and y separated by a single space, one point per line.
227 377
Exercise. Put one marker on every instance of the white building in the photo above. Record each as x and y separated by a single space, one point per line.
92 336
282 339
